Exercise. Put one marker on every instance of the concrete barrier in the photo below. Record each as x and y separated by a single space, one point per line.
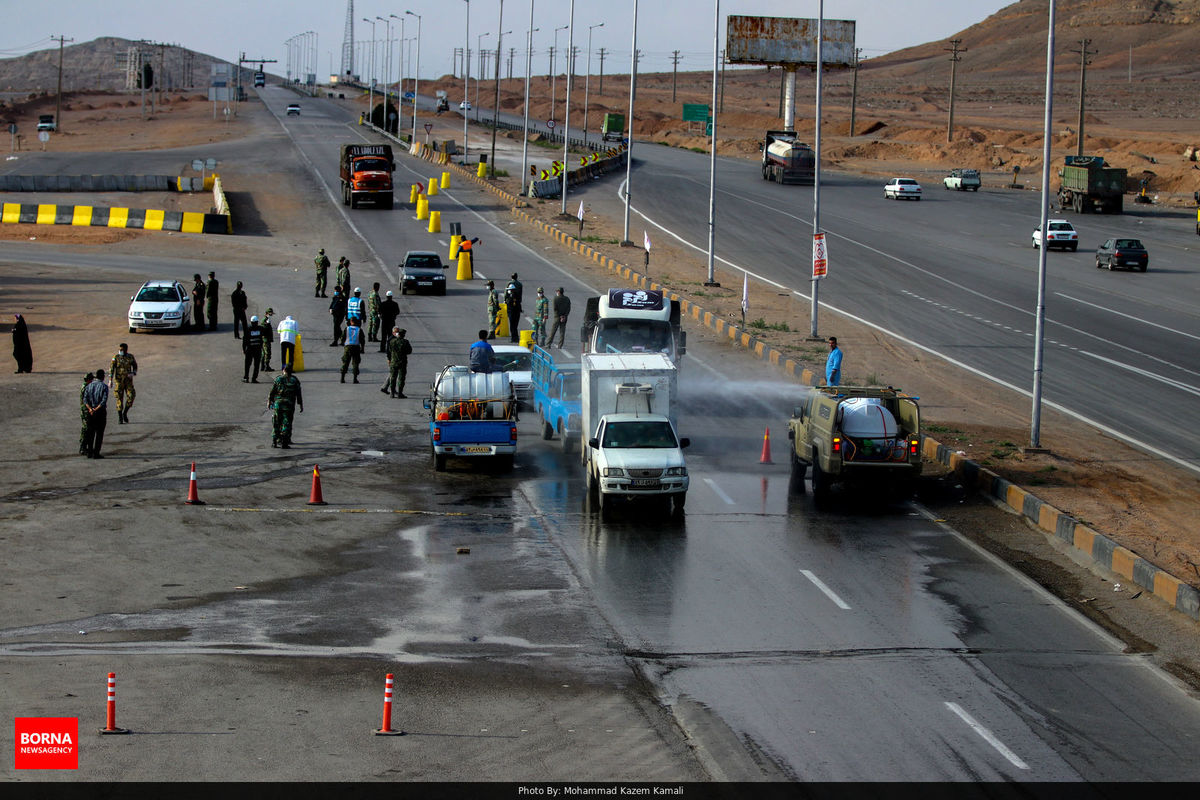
103 183
101 217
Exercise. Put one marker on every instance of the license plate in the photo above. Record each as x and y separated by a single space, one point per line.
645 483
424 283
486 450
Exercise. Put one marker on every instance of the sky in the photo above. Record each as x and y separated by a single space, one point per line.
229 28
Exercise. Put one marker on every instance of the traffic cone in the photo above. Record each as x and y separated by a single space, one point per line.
766 453
314 497
193 494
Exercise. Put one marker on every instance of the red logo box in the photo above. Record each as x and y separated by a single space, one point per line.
46 742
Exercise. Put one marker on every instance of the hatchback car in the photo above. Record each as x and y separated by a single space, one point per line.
1126 253
160 305
1061 234
906 188
517 363
293 110
422 271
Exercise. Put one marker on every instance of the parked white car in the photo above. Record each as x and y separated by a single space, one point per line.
1060 234
906 188
160 305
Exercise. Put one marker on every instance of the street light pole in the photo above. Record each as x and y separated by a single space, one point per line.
496 105
371 80
416 74
528 67
479 80
629 125
587 81
466 77
712 169
554 74
387 67
567 107
1035 425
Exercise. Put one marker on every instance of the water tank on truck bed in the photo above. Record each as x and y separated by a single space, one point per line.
786 159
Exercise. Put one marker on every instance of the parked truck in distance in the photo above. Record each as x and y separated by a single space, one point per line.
867 438
786 159
260 79
633 321
556 398
629 412
1088 185
962 180
471 415
612 128
366 174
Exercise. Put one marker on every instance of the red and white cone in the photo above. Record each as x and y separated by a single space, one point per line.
386 728
193 494
110 725
314 496
766 451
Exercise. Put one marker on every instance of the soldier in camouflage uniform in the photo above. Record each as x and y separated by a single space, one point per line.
83 413
398 352
285 398
493 311
121 372
343 276
373 314
541 311
266 340
321 262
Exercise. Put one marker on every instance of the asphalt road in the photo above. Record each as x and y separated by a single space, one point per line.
755 639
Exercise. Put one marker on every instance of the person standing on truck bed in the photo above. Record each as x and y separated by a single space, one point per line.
833 364
481 354
561 309
513 295
322 264
337 308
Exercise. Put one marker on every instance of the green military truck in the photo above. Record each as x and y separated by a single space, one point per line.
613 127
1088 185
866 438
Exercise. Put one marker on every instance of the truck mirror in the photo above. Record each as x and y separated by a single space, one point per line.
594 443
798 412
684 442
425 404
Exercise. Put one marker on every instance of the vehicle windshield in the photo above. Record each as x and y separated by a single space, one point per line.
572 384
157 294
1129 244
423 263
1061 226
906 182
622 435
372 165
634 336
512 362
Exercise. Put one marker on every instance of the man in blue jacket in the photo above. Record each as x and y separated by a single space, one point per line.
833 365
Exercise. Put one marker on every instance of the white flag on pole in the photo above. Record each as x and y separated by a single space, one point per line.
580 214
745 292
647 240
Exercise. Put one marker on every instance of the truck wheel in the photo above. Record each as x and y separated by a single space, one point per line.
799 470
547 430
566 442
677 503
605 504
820 483
345 195
439 461
591 484
386 203
505 462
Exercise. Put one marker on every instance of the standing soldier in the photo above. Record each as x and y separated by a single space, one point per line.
288 328
561 308
343 276
398 350
210 297
513 295
353 351
389 309
252 348
541 310
120 378
285 398
237 299
337 308
321 262
493 310
83 413
373 314
197 303
266 339
355 306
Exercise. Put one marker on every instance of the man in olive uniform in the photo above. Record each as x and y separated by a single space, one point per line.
541 312
352 353
398 351
197 303
343 276
266 339
389 309
83 413
237 299
337 309
120 377
513 295
285 398
561 309
211 297
321 262
493 309
373 314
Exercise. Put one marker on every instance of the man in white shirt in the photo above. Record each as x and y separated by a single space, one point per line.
288 329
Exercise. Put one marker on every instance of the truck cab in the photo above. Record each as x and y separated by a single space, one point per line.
366 174
867 438
557 398
633 321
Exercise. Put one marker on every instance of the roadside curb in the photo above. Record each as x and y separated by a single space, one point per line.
1103 551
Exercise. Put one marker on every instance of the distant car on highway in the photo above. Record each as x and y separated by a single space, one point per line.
1126 253
293 109
46 123
422 270
464 106
963 180
906 188
1061 234
160 305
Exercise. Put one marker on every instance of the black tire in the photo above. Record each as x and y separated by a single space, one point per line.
820 483
592 489
1098 264
1075 247
974 188
799 470
134 330
566 442
442 292
677 503
547 430
345 195
505 462
439 461
387 203
604 504
1145 267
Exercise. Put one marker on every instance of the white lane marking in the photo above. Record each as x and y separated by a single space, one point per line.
1127 316
1145 373
988 736
713 485
839 602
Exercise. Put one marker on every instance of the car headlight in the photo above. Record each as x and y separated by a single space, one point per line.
135 314
614 472
676 472
173 315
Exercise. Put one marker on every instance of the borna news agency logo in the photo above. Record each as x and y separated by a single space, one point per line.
46 742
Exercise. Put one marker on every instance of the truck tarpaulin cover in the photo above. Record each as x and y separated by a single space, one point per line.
786 40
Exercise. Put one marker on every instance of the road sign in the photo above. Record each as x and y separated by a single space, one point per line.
198 165
409 95
44 136
820 259
695 112
210 163
550 124
428 127
12 127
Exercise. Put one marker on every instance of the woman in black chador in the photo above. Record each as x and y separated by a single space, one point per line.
21 350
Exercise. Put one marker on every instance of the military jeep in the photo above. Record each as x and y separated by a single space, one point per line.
866 438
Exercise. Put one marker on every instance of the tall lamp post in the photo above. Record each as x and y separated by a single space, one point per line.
371 80
567 107
588 80
496 104
387 67
528 68
554 73
416 73
466 77
629 127
479 80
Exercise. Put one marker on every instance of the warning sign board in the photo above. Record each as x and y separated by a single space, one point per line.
820 259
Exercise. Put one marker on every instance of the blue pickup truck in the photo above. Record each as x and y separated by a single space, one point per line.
557 399
472 415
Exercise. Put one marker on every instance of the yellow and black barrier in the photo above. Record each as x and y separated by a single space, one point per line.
100 217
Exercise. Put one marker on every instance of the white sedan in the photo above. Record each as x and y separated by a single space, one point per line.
1061 234
465 105
905 188
160 305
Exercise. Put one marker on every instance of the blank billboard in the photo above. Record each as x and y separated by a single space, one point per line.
786 40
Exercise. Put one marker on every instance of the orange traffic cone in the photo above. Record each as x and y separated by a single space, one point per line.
766 453
193 494
314 498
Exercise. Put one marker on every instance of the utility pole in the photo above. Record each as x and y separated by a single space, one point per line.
854 88
1084 52
954 50
602 52
58 101
723 62
550 71
674 72
512 51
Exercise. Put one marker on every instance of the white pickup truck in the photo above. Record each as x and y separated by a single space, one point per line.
963 180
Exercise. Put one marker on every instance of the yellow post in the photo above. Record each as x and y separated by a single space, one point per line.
527 339
481 170
435 222
433 186
298 360
446 179
455 241
464 266
422 207
412 193
502 327
415 149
